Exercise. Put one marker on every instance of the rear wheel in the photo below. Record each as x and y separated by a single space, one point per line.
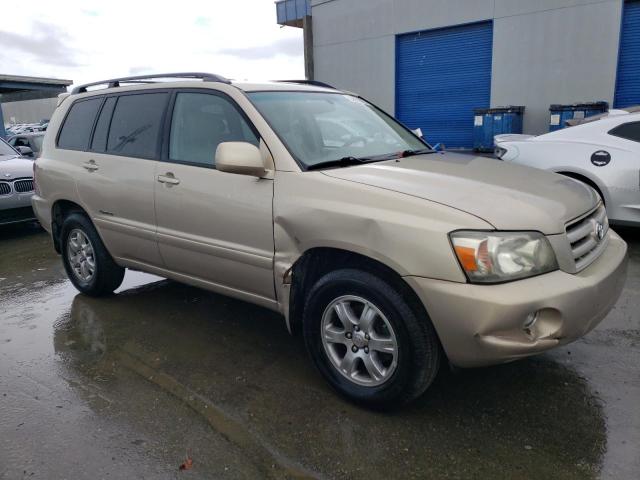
367 341
89 265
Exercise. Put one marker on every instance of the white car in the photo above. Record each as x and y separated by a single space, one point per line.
16 186
603 152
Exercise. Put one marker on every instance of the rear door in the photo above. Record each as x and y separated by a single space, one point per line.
213 226
117 177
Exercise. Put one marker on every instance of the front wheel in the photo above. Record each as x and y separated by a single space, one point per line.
367 341
89 265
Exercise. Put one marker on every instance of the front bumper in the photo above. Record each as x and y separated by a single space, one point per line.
483 324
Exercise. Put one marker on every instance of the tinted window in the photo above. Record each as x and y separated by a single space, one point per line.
78 124
200 123
99 142
630 131
136 124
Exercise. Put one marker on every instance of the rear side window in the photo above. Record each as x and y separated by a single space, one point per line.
99 142
200 123
77 126
630 131
136 125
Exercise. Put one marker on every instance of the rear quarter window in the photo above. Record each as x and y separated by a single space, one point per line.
78 123
629 131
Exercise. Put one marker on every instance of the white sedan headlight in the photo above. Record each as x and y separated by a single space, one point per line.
495 257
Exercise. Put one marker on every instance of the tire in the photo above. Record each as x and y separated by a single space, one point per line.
405 374
106 275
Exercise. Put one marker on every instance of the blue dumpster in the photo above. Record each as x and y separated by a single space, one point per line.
489 122
559 114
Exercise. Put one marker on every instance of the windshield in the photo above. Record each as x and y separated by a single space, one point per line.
321 127
5 149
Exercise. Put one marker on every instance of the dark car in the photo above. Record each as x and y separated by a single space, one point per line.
28 144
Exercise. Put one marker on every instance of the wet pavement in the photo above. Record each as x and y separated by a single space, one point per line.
127 386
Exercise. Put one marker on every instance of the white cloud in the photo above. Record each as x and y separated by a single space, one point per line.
96 39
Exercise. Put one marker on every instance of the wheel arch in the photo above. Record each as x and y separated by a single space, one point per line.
589 179
318 261
59 211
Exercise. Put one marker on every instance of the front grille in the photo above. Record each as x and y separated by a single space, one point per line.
14 215
5 188
588 237
23 186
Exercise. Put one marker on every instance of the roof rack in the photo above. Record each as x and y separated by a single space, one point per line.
315 83
115 82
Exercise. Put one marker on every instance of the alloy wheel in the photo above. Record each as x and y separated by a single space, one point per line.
359 341
81 255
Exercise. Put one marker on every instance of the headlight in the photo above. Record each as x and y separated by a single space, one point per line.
494 257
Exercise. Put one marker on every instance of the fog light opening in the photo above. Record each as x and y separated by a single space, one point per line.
530 323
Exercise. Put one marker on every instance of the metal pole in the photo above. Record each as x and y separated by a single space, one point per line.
307 27
3 134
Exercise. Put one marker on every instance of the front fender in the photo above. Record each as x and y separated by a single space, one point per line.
405 233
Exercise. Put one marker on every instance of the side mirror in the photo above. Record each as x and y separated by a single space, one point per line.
240 157
417 132
25 151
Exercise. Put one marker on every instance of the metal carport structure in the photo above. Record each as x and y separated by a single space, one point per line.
15 88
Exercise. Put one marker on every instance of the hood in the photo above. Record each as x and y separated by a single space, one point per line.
15 167
508 196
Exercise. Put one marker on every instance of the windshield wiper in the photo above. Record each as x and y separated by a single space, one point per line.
350 160
341 162
412 153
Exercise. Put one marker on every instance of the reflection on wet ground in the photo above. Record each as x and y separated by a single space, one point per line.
126 386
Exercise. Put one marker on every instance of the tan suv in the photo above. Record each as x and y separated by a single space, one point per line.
388 257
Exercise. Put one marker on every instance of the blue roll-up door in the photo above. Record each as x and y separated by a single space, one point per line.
628 80
441 76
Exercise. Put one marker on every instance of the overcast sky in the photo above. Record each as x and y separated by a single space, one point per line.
98 39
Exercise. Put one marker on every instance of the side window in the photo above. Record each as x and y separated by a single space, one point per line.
200 123
99 142
630 131
136 125
77 126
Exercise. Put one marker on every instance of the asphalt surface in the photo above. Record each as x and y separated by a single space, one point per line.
128 386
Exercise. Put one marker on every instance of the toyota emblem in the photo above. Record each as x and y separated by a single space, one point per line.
599 230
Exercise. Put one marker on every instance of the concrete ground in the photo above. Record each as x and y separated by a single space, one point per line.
127 386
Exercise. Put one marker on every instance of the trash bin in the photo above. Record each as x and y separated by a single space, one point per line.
489 122
559 114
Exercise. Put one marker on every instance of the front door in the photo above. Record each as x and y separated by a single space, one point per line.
213 226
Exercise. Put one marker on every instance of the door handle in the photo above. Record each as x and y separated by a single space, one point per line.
168 178
90 166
